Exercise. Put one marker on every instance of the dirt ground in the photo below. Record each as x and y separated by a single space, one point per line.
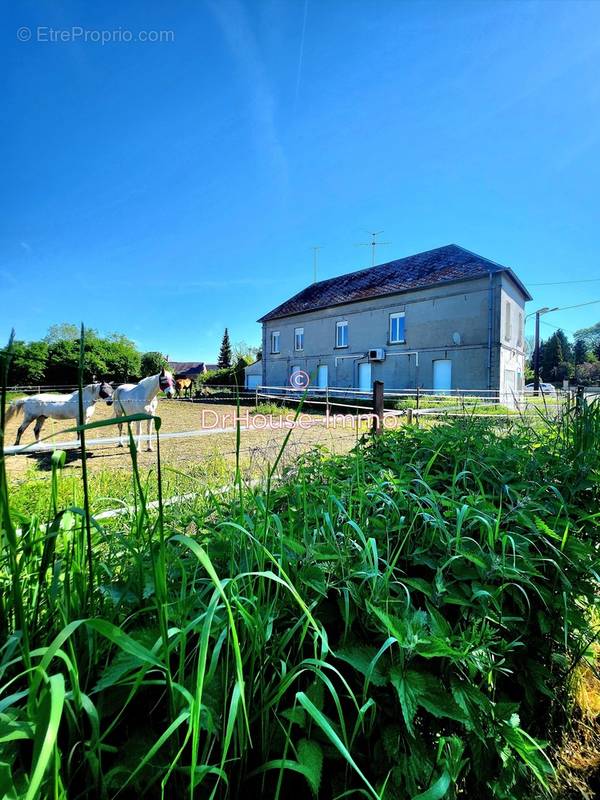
258 447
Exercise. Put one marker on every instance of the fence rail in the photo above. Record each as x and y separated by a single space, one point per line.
356 403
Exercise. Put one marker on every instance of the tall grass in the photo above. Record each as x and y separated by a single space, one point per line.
400 622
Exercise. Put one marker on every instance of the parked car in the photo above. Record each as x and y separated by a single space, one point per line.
545 388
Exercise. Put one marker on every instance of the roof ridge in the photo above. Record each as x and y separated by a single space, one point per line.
385 263
449 262
483 258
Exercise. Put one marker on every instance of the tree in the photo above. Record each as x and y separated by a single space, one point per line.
63 331
152 363
123 358
242 349
555 357
551 355
63 362
55 359
580 352
28 363
591 336
225 352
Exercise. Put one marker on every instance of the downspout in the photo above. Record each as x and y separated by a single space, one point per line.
264 354
490 329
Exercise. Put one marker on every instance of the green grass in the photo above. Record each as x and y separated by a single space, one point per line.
270 409
32 494
468 405
10 396
400 622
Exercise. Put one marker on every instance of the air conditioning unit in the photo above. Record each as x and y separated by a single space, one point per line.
377 354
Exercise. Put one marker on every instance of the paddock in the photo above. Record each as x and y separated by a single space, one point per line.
191 433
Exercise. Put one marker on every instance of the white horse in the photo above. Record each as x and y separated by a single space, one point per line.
57 406
138 398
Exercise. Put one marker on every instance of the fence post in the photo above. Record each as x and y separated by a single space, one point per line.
377 407
579 400
327 401
255 396
418 396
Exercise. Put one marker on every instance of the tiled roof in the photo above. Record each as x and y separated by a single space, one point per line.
188 367
442 265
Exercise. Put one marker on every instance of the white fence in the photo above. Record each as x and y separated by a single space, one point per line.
328 401
418 398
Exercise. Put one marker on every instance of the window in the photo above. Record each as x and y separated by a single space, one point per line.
397 328
275 342
299 339
341 334
507 329
520 331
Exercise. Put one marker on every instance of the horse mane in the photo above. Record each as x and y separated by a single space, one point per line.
144 381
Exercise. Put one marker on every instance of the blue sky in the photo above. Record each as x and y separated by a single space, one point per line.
168 189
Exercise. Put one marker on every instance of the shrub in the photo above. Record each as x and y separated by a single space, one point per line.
227 376
269 409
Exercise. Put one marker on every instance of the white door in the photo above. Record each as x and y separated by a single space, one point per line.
252 381
322 376
510 386
365 383
442 375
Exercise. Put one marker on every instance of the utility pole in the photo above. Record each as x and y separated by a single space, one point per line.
536 350
536 358
372 244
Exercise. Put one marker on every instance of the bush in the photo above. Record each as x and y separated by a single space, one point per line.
588 374
227 376
269 409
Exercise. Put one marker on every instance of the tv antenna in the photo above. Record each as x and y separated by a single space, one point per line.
373 244
315 250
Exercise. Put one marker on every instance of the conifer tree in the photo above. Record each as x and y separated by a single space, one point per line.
225 352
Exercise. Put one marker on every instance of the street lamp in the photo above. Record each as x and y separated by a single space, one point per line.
536 351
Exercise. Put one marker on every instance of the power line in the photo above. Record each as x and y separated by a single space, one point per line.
579 305
568 308
557 327
562 283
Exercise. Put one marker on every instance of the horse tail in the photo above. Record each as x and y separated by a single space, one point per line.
117 403
15 408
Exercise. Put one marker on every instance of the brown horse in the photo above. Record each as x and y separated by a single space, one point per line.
184 384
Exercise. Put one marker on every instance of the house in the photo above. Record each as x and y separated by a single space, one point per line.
445 319
189 369
253 375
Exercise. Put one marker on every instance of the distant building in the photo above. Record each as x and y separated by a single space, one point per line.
445 319
253 375
189 369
